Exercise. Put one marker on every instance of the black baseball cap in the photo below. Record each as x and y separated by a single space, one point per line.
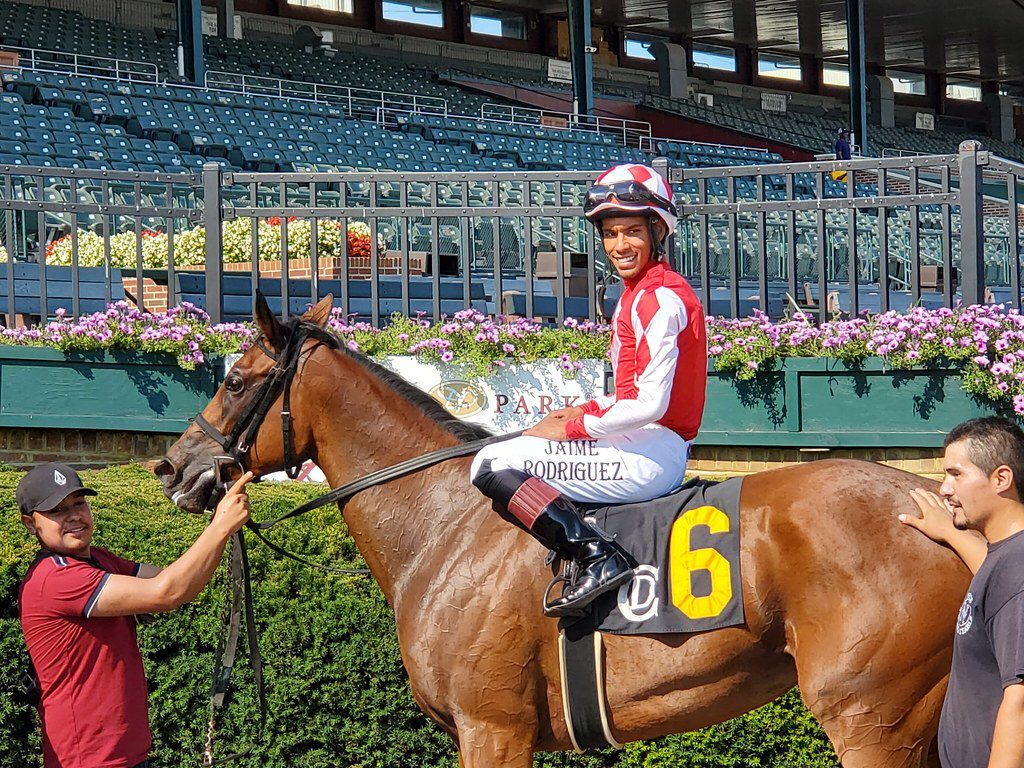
46 486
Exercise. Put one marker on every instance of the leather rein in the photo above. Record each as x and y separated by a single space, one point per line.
236 446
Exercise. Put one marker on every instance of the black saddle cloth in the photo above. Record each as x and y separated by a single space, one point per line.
688 579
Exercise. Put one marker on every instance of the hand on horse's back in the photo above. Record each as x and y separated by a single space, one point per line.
935 520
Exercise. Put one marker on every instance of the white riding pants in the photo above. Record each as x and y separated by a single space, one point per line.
636 466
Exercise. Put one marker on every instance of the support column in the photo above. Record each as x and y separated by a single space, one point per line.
580 51
190 40
673 77
225 18
883 101
858 72
1000 112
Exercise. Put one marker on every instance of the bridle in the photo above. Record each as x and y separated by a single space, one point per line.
237 443
236 446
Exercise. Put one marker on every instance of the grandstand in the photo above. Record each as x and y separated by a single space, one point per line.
87 93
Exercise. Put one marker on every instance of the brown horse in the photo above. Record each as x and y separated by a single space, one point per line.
839 596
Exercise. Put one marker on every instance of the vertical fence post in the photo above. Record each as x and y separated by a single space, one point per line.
972 220
660 164
214 252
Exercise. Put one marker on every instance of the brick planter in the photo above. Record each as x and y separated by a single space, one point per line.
155 292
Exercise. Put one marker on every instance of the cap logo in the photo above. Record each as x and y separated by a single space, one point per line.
59 479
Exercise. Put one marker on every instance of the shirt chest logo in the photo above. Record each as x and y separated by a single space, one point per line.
965 618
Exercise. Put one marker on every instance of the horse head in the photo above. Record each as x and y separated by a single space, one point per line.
246 426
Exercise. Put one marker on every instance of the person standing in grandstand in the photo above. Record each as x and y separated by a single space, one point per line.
629 446
78 604
843 149
982 722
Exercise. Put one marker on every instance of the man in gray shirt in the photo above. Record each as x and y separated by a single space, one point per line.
982 723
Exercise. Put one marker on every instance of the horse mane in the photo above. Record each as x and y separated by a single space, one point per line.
416 396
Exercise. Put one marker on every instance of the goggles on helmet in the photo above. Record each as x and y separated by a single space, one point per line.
626 192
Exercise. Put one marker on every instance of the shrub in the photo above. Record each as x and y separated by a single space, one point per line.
190 244
337 689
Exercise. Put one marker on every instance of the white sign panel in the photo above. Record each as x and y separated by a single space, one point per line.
926 121
773 102
559 71
210 23
514 397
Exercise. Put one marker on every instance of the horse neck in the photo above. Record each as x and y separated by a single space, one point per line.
365 425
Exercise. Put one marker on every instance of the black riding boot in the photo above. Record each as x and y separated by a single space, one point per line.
601 564
533 505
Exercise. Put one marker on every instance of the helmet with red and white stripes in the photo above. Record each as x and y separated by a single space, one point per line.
630 189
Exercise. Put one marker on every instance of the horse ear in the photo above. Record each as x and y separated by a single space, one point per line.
321 313
267 322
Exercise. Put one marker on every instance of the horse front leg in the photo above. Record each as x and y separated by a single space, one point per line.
487 745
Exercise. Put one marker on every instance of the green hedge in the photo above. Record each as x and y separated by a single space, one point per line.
338 692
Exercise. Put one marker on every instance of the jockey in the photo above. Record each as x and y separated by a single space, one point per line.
627 447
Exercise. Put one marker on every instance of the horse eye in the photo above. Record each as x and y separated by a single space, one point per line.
234 384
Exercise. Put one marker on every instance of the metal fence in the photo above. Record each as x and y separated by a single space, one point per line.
847 236
632 133
69 64
361 102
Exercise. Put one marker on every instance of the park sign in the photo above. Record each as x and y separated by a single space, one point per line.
513 396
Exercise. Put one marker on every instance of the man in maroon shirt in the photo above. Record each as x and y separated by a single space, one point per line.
78 605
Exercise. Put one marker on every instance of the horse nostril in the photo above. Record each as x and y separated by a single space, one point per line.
163 468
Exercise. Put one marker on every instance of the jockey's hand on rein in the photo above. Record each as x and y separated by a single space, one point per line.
551 427
233 510
565 414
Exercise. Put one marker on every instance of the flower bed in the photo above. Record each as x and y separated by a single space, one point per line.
985 343
190 244
184 332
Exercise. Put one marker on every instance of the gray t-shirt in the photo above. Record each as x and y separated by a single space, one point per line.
988 655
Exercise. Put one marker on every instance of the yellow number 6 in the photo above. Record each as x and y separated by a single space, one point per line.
684 561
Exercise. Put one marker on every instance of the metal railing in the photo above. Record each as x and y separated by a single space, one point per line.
355 101
628 132
82 65
843 241
650 144
895 232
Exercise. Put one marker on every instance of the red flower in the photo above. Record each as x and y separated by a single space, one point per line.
358 245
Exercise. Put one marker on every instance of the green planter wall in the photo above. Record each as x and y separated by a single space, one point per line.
811 403
47 388
806 403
